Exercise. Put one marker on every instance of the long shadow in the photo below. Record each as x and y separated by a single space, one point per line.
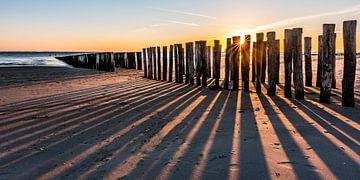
97 129
297 159
252 157
94 117
334 157
85 103
103 108
333 124
169 146
135 138
222 142
72 101
30 107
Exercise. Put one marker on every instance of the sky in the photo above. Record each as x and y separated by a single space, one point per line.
130 25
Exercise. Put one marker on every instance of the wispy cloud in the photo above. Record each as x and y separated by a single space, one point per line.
183 23
183 12
354 9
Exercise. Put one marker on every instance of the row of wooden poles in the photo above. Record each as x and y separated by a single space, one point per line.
193 63
107 61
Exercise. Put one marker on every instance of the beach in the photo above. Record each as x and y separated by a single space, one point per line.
71 123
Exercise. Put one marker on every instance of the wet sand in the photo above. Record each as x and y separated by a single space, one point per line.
119 125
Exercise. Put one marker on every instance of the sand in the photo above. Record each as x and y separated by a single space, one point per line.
69 123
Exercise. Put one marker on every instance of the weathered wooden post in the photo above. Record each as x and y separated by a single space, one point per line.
288 56
253 62
176 56
245 63
203 59
159 64
144 63
227 63
263 66
198 63
171 66
154 63
349 29
333 62
217 63
277 62
164 67
320 61
235 57
181 63
308 61
190 61
150 74
298 65
259 58
208 61
271 91
138 61
187 59
328 46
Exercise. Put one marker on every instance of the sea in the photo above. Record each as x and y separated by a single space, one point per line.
15 59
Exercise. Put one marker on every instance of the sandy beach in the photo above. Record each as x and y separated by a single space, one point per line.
70 123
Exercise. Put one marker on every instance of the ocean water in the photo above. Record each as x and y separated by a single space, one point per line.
11 59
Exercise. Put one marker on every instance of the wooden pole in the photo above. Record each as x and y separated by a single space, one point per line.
190 62
277 62
288 59
298 65
171 66
164 63
320 61
253 62
176 55
158 64
181 63
259 58
235 57
187 59
271 91
308 61
263 66
149 75
208 61
139 60
227 63
245 63
217 63
203 59
145 63
333 62
349 29
328 46
198 63
154 63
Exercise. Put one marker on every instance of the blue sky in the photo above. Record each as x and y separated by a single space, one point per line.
120 25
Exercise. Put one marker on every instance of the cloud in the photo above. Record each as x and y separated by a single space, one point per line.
183 13
354 9
183 23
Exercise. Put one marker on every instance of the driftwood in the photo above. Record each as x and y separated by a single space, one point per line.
235 57
271 90
171 66
245 63
259 58
308 61
328 46
320 61
227 63
349 29
298 64
165 64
